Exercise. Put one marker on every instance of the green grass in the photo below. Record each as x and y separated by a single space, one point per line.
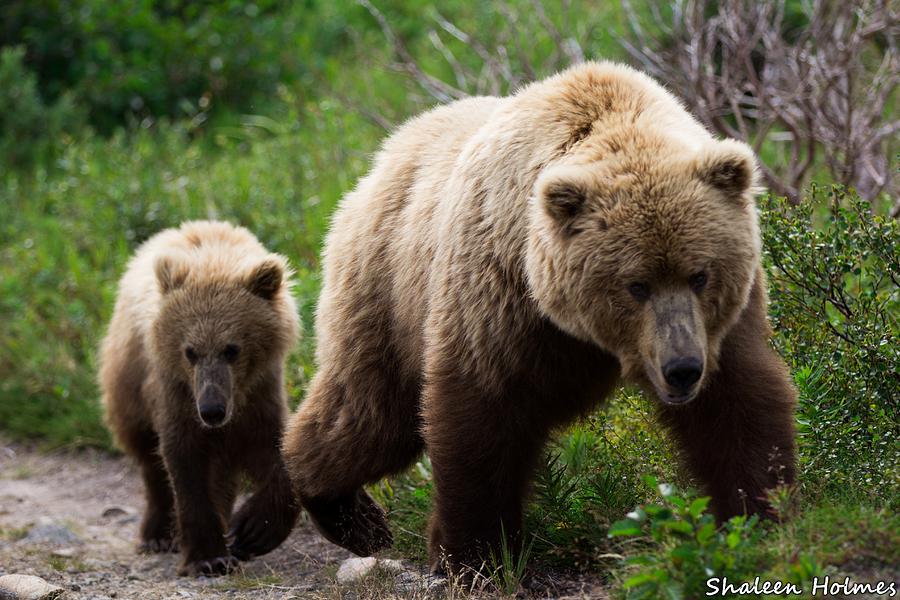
850 533
507 570
13 534
66 564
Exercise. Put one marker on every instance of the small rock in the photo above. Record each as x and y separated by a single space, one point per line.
354 569
28 587
390 565
113 511
122 515
48 532
64 552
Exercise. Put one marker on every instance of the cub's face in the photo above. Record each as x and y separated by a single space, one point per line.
653 264
216 337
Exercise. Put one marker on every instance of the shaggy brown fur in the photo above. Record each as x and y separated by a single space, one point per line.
503 267
191 373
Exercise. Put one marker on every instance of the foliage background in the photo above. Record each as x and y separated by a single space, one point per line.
120 119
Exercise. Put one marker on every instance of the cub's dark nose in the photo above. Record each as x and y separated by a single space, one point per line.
212 414
682 373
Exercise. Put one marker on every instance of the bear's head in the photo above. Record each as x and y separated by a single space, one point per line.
650 256
217 335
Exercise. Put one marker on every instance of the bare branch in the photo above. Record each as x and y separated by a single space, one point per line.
801 90
501 55
440 90
744 76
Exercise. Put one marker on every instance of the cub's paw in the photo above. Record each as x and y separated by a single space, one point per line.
158 545
157 533
219 565
355 522
260 526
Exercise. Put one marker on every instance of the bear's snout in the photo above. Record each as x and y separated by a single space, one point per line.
212 404
682 374
212 413
213 393
674 346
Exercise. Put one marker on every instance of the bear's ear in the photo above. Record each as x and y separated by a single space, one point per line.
730 167
563 195
171 273
265 279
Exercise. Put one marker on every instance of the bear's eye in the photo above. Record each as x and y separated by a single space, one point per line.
640 291
191 355
231 352
697 281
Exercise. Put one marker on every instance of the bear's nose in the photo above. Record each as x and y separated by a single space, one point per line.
682 373
212 414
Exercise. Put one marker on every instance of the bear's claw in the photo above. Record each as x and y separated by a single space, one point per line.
355 522
219 565
158 545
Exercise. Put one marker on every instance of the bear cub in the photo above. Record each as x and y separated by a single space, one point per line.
191 372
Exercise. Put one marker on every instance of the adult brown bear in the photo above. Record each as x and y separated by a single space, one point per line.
509 261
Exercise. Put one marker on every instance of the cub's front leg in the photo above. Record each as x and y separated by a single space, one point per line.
266 519
200 526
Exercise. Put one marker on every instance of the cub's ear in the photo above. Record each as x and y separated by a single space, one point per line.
171 273
265 279
563 193
730 167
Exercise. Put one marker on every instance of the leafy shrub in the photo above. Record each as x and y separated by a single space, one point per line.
835 304
591 476
686 548
30 129
156 58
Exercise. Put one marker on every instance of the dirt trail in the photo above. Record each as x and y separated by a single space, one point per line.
47 498
72 519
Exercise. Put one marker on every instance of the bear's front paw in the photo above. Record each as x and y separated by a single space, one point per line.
260 527
158 545
157 533
219 565
354 522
